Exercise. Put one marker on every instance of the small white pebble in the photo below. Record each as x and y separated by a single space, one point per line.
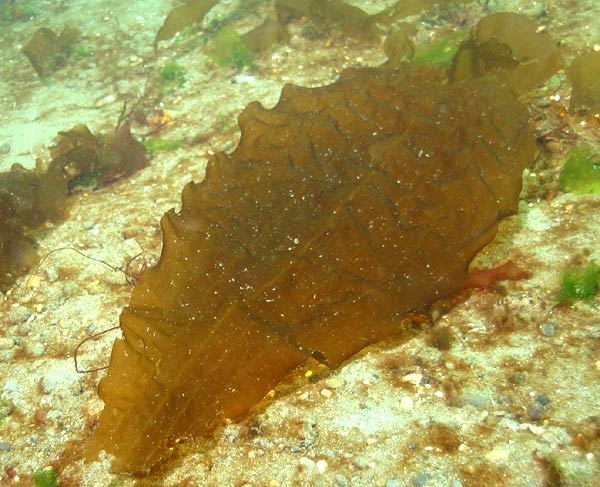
360 462
414 377
406 403
307 463
536 430
244 78
106 100
321 466
326 393
34 281
371 440
497 454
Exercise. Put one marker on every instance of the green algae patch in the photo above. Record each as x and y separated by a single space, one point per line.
581 174
441 51
172 77
579 283
156 145
228 49
45 478
172 72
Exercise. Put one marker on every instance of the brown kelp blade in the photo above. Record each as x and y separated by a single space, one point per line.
179 18
342 209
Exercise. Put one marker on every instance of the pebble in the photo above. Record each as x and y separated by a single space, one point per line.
308 464
360 462
321 466
340 480
543 398
106 100
543 103
535 410
70 288
392 483
6 408
5 148
479 398
548 329
244 78
406 403
421 480
10 387
18 315
497 454
7 355
35 349
88 225
4 446
50 382
457 483
519 377
52 274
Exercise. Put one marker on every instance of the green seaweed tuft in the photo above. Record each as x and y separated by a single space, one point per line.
45 477
156 145
579 283
228 49
441 51
581 174
172 76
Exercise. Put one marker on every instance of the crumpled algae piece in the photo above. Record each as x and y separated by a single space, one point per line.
186 15
105 157
48 51
342 209
18 252
30 198
510 46
351 20
584 75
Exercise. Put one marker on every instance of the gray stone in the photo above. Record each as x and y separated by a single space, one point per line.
548 329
